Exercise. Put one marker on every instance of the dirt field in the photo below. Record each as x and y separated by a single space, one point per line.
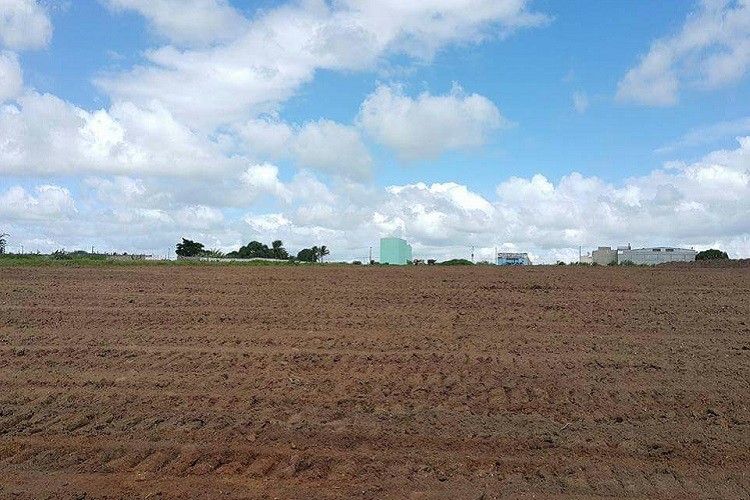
345 382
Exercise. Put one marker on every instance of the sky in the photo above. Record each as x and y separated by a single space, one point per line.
524 125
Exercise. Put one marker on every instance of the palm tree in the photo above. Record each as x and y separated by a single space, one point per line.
278 250
214 252
315 253
323 251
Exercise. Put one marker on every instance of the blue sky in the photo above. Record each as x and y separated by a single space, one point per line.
530 125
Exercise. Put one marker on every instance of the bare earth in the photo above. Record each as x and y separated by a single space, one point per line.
345 382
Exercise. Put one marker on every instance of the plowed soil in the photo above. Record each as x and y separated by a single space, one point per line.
345 382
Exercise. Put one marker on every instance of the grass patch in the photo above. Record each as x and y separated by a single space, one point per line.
13 260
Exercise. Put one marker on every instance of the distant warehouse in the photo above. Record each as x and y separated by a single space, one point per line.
656 255
395 251
641 256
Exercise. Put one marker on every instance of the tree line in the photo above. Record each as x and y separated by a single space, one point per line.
253 250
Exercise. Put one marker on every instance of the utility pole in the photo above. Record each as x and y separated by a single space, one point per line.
370 261
472 254
580 254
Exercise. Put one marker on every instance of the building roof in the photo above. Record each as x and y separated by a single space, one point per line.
657 249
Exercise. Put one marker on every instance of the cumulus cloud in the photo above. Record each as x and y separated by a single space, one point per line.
24 24
264 179
11 78
122 190
281 49
265 137
686 204
323 145
700 204
426 126
188 21
198 217
712 49
330 147
421 27
45 203
46 135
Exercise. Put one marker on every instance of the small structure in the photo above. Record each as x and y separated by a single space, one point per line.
513 259
604 256
395 251
655 255
126 257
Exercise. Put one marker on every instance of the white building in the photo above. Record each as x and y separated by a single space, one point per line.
604 256
513 259
655 255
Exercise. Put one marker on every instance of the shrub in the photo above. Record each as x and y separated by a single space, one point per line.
60 255
712 254
457 262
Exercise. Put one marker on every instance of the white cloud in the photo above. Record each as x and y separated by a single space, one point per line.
198 217
188 21
685 205
282 48
125 191
706 203
46 203
441 214
24 24
709 134
421 27
333 148
428 125
711 50
322 145
264 179
46 135
268 223
581 102
266 137
11 77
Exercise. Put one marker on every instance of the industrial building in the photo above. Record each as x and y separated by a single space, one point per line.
656 255
513 259
395 251
605 256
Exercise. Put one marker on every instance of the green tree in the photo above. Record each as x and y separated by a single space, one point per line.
255 250
189 248
712 254
322 252
308 255
3 242
278 251
214 252
457 262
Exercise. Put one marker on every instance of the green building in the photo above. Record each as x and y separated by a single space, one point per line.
394 251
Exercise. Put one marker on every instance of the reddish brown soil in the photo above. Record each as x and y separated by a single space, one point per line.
729 263
344 382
